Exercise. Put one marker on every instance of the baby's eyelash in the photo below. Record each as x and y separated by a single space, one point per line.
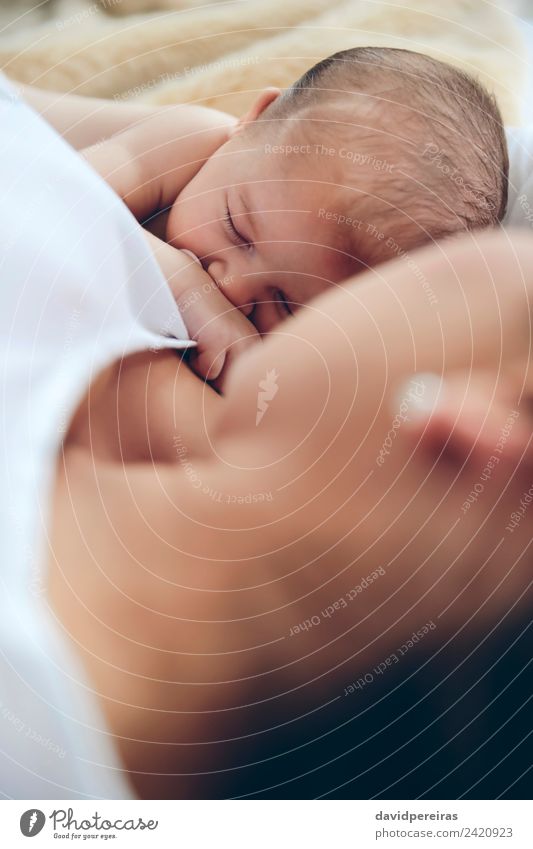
232 230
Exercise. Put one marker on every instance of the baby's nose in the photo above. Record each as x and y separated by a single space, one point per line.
246 309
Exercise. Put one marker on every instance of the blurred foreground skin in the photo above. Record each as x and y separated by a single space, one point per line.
183 557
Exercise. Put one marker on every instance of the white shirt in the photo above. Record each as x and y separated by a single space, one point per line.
79 289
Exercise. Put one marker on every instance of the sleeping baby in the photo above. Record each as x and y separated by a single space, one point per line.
371 153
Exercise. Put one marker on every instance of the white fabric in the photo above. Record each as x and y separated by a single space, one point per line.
520 205
79 288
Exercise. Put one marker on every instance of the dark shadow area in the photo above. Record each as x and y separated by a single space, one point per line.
451 723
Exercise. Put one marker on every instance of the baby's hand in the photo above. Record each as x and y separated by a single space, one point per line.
220 329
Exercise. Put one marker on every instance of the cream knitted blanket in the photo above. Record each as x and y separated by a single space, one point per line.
220 53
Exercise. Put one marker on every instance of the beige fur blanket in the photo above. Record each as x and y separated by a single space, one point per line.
220 53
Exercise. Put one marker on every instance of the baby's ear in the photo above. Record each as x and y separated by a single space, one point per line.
267 96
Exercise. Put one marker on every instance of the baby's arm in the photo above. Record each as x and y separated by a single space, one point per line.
148 165
84 121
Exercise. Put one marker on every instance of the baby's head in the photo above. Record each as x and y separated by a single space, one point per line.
371 153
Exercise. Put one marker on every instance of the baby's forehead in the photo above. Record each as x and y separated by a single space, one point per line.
358 184
332 159
316 138
336 167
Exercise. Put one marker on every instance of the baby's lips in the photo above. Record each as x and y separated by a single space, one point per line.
192 256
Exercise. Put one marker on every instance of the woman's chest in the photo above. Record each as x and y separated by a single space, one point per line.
145 408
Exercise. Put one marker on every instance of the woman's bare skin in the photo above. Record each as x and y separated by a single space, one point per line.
180 600
117 422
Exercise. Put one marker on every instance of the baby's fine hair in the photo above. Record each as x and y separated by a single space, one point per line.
435 132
